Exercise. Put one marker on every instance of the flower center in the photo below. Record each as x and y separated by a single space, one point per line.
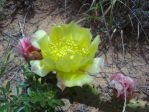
68 47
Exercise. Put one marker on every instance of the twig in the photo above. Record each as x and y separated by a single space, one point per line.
22 29
93 3
108 9
137 19
106 25
122 42
10 36
108 34
125 99
22 25
138 31
85 4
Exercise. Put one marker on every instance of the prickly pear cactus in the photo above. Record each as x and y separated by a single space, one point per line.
138 105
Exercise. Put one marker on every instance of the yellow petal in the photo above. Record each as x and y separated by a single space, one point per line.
41 40
44 46
40 34
74 78
72 31
92 51
94 46
81 35
41 67
60 33
94 67
69 63
57 33
37 36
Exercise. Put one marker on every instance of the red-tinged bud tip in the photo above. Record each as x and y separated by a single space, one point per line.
27 50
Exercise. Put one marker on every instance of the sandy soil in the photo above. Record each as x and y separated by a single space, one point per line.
131 64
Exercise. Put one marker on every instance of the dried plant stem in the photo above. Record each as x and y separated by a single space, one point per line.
125 100
22 23
123 43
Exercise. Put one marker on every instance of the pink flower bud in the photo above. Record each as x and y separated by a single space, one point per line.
27 50
121 84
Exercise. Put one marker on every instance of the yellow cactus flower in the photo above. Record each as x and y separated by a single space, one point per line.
68 50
